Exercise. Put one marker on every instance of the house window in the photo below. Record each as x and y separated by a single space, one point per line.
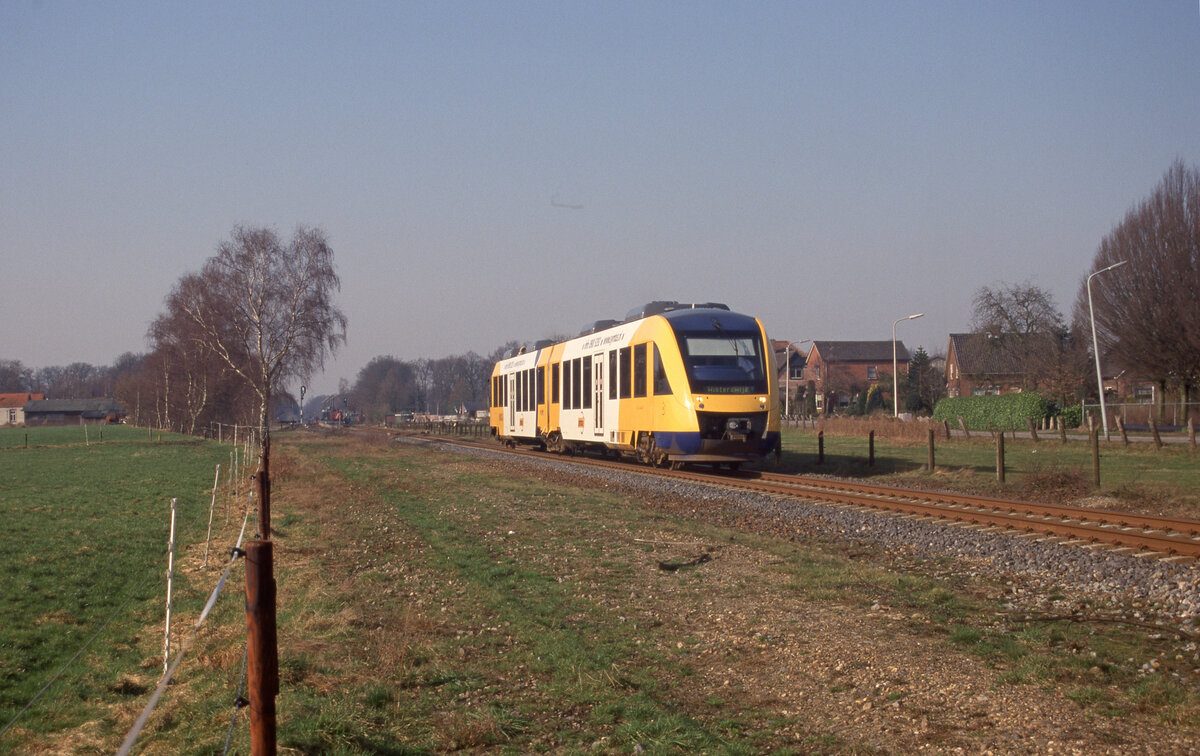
872 373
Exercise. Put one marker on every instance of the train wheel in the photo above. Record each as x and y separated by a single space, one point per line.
645 449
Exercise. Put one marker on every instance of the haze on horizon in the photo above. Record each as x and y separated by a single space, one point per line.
490 172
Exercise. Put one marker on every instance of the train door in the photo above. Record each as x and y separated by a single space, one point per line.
510 405
598 394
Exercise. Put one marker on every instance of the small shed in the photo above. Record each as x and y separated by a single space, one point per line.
73 411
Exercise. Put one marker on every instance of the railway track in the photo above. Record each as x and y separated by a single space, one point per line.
1145 536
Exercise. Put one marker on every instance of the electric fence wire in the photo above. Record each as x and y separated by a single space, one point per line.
237 702
235 554
116 612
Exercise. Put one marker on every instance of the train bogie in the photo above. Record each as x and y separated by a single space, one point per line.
689 384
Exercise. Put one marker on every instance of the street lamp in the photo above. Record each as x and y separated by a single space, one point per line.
1095 346
895 368
787 375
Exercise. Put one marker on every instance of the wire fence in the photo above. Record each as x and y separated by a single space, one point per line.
234 482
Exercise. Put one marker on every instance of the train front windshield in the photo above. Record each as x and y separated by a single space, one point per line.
724 362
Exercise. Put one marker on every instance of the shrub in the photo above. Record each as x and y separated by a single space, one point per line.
1072 416
1005 412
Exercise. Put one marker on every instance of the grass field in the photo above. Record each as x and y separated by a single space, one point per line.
1140 477
431 604
84 543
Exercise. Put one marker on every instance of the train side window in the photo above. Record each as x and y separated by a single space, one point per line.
587 382
529 390
662 387
566 367
612 374
577 381
639 370
626 372
541 385
556 384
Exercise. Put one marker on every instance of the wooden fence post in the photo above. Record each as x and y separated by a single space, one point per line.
262 668
1192 432
946 425
1158 443
1000 457
931 435
1032 430
820 447
871 449
963 424
1121 428
1094 438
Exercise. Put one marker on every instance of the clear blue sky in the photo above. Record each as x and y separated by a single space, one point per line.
827 166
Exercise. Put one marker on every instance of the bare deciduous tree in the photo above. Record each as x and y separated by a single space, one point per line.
1147 311
266 309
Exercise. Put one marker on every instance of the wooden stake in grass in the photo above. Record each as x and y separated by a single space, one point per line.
212 505
930 465
170 580
1095 441
1000 457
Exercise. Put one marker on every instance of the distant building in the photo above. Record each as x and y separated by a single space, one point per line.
12 407
73 411
840 370
789 369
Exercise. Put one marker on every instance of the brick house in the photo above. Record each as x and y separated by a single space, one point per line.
12 407
789 369
983 363
841 370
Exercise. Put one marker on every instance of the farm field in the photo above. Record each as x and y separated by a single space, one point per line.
83 550
434 602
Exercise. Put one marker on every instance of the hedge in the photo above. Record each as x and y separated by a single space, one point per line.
1005 412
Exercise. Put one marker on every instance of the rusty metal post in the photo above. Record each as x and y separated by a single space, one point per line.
1095 439
262 655
871 449
1000 457
931 435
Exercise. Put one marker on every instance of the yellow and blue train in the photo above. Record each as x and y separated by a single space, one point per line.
672 384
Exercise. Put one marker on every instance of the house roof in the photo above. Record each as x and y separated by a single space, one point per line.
86 407
860 351
988 354
9 401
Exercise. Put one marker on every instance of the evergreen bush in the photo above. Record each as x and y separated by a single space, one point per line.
1005 412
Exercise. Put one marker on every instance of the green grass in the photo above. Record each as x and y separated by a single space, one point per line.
1136 471
85 529
494 614
65 435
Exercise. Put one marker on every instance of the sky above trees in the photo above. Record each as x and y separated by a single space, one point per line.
492 171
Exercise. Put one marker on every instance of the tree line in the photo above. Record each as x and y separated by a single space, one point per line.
259 316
